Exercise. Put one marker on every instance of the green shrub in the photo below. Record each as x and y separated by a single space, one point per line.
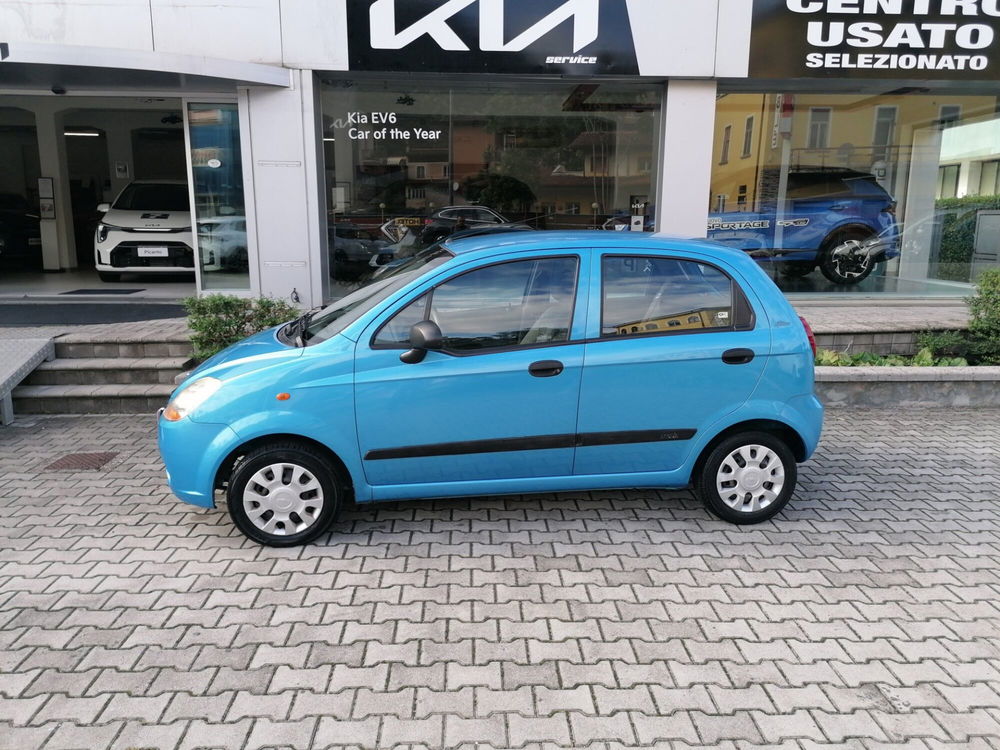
984 322
219 320
923 358
944 343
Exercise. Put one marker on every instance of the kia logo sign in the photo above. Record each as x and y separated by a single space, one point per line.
584 14
567 37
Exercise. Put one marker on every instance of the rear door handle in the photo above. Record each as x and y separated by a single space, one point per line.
546 368
737 356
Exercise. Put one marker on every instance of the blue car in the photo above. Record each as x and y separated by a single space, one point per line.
508 363
840 220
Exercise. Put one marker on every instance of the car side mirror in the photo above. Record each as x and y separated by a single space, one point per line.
103 207
424 335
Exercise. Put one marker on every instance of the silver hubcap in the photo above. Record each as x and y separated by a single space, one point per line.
750 478
283 499
851 259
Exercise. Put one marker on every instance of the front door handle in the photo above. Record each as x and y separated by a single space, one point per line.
546 368
737 356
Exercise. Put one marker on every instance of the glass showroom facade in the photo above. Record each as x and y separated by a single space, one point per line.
407 162
880 192
902 184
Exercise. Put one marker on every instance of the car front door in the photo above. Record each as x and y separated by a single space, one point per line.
499 400
673 346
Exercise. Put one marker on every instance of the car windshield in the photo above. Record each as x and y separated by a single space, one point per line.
336 316
153 197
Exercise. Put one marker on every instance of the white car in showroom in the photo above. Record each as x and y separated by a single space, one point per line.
146 230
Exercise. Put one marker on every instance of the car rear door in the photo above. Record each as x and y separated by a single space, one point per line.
673 344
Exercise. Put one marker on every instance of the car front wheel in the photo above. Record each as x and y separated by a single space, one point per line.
747 478
846 258
284 494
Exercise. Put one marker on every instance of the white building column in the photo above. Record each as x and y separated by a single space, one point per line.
921 195
687 128
288 205
58 239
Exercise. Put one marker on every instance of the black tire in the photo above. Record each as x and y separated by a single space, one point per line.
313 465
796 269
110 277
736 510
850 268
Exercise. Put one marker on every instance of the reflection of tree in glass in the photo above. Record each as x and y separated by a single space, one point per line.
534 149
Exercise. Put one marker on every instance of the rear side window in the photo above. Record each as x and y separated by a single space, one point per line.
646 295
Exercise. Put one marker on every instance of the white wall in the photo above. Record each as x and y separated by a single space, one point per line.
682 38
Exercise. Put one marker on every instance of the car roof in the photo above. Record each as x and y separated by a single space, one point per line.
539 239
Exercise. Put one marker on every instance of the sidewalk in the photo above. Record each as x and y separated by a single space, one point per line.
865 616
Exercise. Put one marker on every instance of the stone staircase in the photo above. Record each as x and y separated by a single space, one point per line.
95 375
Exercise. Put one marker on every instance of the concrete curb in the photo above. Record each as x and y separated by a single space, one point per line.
908 387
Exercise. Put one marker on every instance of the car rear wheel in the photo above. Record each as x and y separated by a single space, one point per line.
845 258
106 276
284 494
747 478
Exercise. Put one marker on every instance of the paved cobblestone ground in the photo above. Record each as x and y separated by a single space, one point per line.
867 615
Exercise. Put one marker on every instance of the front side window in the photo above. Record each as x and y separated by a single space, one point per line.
522 303
644 295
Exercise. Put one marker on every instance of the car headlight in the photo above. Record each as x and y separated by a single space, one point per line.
191 398
103 229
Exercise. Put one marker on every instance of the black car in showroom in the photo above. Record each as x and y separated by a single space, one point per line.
20 232
444 221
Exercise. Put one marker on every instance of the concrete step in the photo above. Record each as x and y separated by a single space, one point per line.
127 349
91 399
107 370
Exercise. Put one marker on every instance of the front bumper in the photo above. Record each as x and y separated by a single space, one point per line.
125 251
192 453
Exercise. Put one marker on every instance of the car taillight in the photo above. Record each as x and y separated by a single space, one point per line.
428 221
810 334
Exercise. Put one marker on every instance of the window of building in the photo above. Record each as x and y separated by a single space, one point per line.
950 115
727 137
819 127
421 172
661 295
948 181
741 197
524 303
885 133
747 138
989 178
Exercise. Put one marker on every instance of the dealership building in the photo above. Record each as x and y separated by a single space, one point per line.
852 145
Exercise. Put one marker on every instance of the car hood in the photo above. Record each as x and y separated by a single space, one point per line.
256 352
148 219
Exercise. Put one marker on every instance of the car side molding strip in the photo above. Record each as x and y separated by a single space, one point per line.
535 443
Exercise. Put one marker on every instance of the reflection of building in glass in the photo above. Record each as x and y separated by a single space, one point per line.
693 319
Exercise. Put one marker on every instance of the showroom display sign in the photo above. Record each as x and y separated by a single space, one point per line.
908 39
557 37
